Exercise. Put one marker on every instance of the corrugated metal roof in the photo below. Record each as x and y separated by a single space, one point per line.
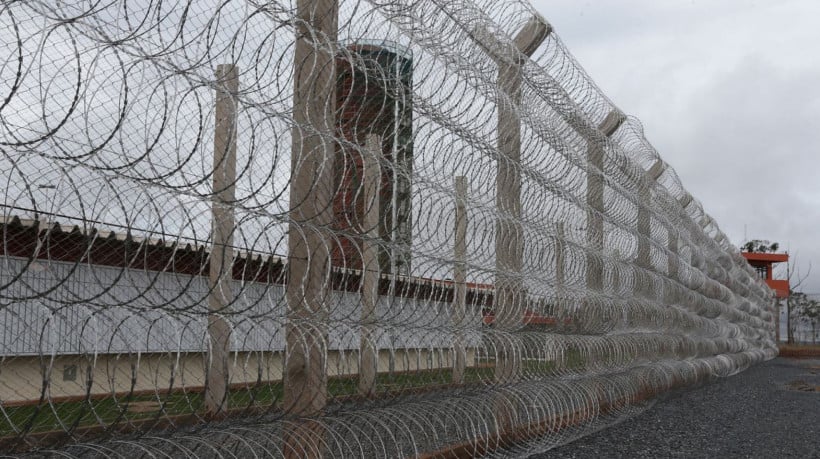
183 244
168 241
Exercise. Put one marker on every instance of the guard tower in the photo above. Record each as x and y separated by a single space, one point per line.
374 82
762 263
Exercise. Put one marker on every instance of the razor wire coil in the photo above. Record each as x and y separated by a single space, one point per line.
338 229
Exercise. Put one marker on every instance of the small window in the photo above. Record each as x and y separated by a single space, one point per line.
762 271
69 372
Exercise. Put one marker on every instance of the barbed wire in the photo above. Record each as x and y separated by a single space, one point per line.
338 229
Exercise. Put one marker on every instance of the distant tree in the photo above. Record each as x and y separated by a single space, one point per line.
793 306
795 279
760 246
806 310
809 311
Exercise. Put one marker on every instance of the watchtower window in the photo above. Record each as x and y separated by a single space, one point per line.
762 271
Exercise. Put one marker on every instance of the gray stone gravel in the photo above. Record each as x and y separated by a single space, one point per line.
753 414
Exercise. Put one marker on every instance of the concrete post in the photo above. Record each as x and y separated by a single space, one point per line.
368 362
656 170
685 200
560 255
508 299
654 173
672 265
595 202
310 214
673 249
560 275
460 279
220 278
509 247
643 260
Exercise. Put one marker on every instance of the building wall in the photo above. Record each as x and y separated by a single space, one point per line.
22 378
66 308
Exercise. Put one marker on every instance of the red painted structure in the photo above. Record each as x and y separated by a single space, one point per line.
762 262
373 97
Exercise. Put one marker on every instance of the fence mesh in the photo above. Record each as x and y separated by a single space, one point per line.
340 229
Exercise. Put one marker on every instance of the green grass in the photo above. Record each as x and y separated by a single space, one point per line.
538 367
66 415
574 359
106 411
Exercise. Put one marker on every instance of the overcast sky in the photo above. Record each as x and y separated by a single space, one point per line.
729 94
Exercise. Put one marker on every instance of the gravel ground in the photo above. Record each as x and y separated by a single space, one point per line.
755 414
